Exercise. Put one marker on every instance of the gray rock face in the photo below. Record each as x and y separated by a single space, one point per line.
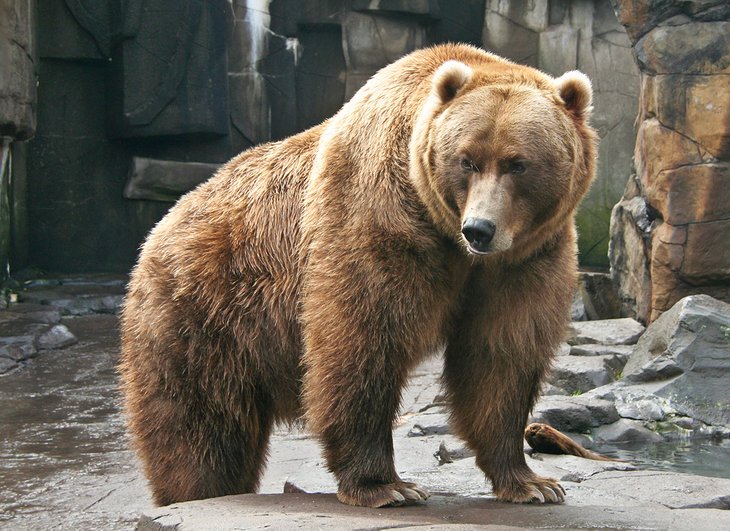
58 336
599 296
690 347
18 351
625 430
655 500
17 69
169 72
165 180
574 413
624 331
581 374
628 252
619 351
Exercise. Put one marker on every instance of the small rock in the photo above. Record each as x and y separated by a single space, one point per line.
563 350
644 409
7 365
625 430
57 337
624 331
19 331
574 413
291 488
18 351
442 455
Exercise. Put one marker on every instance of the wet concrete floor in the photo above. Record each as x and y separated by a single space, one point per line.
64 457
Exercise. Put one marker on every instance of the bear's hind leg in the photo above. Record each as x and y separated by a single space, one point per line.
190 456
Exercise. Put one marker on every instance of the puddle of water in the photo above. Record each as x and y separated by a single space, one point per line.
705 457
64 457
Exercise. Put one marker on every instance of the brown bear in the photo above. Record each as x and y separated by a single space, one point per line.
433 212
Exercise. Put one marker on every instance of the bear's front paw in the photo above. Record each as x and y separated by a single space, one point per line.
536 489
390 494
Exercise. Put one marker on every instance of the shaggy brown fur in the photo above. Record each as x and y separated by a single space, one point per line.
547 440
309 276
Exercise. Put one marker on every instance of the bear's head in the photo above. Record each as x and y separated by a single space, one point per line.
501 154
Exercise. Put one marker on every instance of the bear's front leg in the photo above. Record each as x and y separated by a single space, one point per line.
491 394
352 392
496 359
356 364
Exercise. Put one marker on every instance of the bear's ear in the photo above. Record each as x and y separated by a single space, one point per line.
449 78
576 91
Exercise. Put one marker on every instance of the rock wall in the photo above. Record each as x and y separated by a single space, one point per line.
121 82
561 35
17 122
669 233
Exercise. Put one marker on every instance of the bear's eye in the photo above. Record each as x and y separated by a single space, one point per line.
516 167
468 165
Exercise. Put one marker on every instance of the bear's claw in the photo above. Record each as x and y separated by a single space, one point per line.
389 495
535 490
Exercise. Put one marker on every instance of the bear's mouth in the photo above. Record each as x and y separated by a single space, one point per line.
478 248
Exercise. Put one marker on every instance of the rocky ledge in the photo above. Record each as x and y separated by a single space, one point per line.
612 382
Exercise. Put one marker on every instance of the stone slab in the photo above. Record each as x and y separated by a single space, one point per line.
624 331
165 180
17 69
323 511
583 373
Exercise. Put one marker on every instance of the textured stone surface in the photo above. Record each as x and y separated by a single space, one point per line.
681 155
619 351
17 69
592 503
629 256
599 295
689 347
78 296
578 374
168 76
688 47
58 336
692 194
164 180
625 430
33 312
574 413
625 331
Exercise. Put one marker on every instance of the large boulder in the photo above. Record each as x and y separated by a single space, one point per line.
689 348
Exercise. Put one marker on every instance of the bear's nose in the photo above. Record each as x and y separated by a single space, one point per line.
478 232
